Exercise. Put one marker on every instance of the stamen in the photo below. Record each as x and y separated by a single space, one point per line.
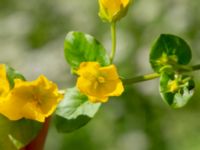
101 79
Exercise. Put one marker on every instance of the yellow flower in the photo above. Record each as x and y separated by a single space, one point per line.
4 83
113 10
34 100
97 82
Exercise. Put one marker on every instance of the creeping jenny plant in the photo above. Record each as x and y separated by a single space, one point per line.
26 106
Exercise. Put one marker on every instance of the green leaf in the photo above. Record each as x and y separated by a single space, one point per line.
80 47
13 74
176 90
74 111
169 51
17 134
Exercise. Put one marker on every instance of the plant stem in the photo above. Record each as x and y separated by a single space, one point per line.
141 78
113 36
154 76
196 67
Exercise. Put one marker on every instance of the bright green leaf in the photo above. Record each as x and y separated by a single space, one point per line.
13 74
176 90
16 134
169 51
74 111
80 47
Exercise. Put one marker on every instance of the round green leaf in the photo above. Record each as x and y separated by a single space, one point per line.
169 51
176 90
80 47
17 134
74 111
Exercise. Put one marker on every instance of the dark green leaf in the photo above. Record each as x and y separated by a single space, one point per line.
176 90
13 74
169 51
80 47
74 111
17 134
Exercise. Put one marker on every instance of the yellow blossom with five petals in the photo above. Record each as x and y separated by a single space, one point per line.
113 10
97 82
34 100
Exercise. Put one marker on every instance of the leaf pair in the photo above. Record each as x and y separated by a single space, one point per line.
75 110
169 57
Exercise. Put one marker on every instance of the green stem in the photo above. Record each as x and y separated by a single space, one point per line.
196 67
154 76
141 78
113 36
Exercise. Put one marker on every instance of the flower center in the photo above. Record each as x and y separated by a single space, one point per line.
165 59
101 79
173 86
37 99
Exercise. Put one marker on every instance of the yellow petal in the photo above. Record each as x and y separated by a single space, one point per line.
4 83
88 68
112 6
11 108
113 10
97 100
118 90
109 72
31 111
125 2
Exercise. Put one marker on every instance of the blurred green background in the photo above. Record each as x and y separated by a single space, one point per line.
31 40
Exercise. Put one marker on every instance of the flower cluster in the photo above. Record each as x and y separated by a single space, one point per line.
34 100
97 82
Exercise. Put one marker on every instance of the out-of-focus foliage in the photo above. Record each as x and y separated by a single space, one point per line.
32 34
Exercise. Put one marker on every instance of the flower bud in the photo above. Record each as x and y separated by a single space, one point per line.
113 10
